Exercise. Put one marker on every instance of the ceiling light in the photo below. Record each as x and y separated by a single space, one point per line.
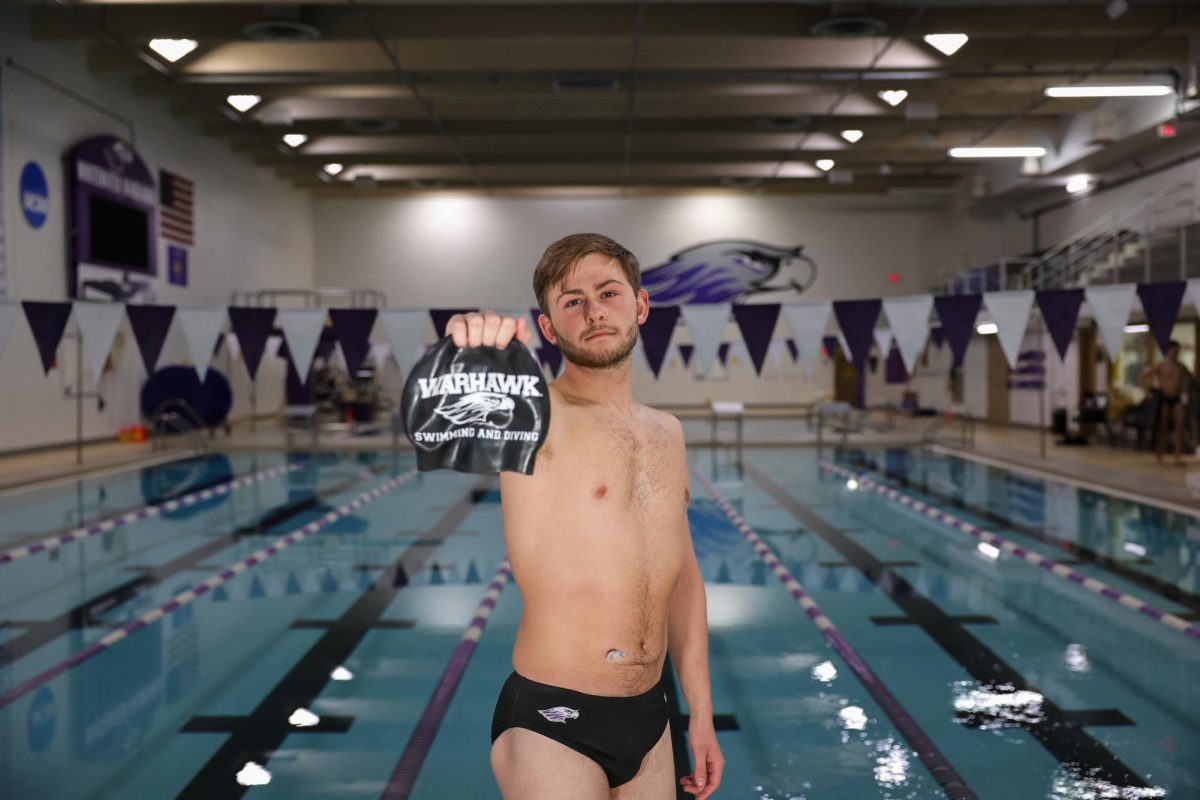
996 152
173 49
825 164
1144 90
987 328
243 102
294 139
852 136
332 169
1031 166
1079 183
893 97
946 43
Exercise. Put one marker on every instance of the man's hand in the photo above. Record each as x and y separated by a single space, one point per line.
706 754
488 329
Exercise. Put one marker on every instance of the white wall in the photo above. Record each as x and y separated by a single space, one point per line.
252 231
446 250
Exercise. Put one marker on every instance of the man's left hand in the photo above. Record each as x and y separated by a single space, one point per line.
706 755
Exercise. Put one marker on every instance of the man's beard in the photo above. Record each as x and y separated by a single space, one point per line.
616 355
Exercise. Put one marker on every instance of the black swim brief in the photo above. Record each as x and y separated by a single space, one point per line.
615 732
1169 401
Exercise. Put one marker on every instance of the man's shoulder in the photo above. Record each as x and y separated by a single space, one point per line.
665 420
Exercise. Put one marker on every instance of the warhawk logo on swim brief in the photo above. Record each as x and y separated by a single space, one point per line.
559 714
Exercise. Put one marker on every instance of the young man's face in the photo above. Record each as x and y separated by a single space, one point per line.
595 314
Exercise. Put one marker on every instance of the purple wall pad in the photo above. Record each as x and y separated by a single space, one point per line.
189 596
404 776
150 325
957 313
139 514
1060 310
1161 303
656 334
1061 570
857 320
47 321
938 765
252 326
757 324
352 327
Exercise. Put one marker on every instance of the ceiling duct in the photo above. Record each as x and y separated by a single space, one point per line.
281 23
848 20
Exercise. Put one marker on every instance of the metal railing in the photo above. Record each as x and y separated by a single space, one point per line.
176 414
966 424
319 297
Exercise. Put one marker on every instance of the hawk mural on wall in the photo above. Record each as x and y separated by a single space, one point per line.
731 271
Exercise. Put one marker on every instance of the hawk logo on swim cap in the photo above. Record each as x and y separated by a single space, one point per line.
476 409
483 407
559 714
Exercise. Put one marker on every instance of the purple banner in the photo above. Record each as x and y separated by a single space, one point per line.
685 352
1060 311
857 320
957 314
757 323
150 325
47 321
441 316
795 351
1161 303
894 371
723 353
656 334
548 355
831 346
252 326
937 336
352 327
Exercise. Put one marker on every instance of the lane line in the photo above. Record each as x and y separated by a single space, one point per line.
190 595
404 776
145 512
1037 559
953 784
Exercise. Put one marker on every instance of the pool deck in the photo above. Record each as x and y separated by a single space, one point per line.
1122 471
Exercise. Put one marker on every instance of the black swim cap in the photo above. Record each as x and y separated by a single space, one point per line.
478 409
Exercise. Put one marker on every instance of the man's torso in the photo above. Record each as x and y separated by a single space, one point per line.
596 538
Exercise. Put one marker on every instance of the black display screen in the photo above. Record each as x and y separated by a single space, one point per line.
120 234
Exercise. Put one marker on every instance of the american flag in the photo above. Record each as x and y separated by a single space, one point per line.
175 205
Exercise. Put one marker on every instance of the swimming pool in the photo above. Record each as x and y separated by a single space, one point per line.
860 646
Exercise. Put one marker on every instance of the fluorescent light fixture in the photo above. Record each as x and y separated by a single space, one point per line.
996 152
173 49
893 97
1137 328
987 328
332 169
1108 91
989 550
852 136
243 102
294 139
1135 548
852 484
825 164
946 43
1079 183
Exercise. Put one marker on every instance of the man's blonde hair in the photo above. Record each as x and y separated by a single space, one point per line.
562 256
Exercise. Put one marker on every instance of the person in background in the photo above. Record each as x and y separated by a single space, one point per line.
1173 381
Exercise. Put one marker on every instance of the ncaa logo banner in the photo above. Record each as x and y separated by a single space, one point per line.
478 409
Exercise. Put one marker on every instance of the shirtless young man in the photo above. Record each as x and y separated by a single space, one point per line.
600 547
1173 378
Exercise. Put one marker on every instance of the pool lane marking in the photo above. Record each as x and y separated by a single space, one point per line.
145 512
953 784
1172 621
190 595
404 776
